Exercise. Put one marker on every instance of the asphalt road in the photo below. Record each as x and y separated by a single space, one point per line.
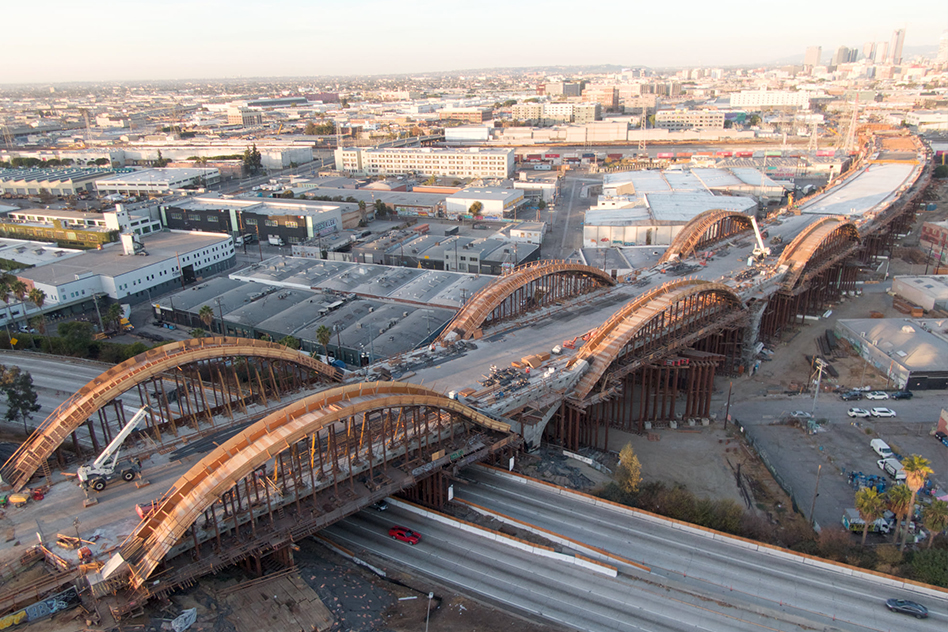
730 579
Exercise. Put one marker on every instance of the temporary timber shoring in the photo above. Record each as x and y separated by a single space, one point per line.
205 376
300 469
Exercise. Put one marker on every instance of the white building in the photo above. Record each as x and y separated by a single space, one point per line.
689 119
494 202
427 161
756 99
528 232
156 181
925 120
123 273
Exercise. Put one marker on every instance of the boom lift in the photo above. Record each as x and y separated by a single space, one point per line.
103 469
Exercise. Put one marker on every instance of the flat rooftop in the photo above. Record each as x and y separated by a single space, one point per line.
501 195
269 206
918 344
34 253
158 176
111 261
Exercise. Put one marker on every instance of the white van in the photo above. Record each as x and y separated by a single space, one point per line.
893 468
881 448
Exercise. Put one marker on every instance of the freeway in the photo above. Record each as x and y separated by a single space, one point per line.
552 590
715 569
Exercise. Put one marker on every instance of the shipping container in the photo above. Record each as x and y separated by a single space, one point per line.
745 154
703 154
773 153
614 156
534 157
683 154
825 152
571 155
724 154
589 155
572 160
666 155
421 228
551 156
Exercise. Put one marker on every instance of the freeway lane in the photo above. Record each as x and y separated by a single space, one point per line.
556 591
719 569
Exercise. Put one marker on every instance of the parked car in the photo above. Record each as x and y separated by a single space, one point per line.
851 396
877 395
858 412
882 412
904 606
404 534
902 395
801 414
941 436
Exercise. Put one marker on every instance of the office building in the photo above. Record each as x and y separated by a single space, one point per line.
844 55
605 95
689 119
895 47
427 161
564 88
244 116
466 115
942 57
813 56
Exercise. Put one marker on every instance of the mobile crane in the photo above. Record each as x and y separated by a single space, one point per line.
760 251
103 469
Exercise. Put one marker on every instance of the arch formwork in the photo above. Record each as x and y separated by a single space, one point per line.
149 369
820 245
316 461
705 229
657 324
531 286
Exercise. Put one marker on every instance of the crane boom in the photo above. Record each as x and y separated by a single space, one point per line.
112 449
761 250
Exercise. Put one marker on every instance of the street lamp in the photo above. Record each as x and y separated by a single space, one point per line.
428 613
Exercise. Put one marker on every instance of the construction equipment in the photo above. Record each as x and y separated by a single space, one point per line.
104 468
760 250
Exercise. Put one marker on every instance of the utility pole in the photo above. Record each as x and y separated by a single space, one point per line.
820 364
220 310
642 145
727 409
816 492
95 301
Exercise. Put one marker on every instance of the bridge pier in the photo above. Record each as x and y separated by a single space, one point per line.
752 334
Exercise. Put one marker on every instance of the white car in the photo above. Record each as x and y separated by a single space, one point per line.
858 412
877 395
801 414
882 412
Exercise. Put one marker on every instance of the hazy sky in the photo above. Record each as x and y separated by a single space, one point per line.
66 40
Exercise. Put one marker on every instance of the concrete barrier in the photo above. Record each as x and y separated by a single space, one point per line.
765 549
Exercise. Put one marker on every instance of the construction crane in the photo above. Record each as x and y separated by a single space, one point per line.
760 251
103 469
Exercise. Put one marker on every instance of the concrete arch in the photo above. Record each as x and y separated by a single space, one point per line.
706 228
240 456
822 242
608 342
55 429
575 279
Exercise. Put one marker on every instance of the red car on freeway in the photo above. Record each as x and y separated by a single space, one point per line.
404 534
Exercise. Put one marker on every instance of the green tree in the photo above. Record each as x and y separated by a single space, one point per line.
113 317
476 208
206 314
20 291
252 159
871 507
17 385
897 500
728 124
310 129
916 470
290 341
76 337
100 162
541 204
753 120
935 519
941 171
629 472
197 332
161 160
323 336
288 194
931 566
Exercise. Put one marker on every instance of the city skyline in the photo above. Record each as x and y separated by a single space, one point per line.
178 40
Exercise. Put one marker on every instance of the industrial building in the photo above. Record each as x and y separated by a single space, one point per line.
465 115
928 292
289 221
934 240
496 203
156 182
244 117
911 352
427 161
23 182
549 113
131 271
139 219
761 99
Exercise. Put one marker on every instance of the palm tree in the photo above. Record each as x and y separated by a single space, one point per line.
206 314
20 290
917 469
935 519
113 316
898 498
323 336
871 506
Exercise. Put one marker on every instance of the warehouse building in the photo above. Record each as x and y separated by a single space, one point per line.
689 119
133 270
928 292
59 182
156 182
426 161
911 352
495 203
